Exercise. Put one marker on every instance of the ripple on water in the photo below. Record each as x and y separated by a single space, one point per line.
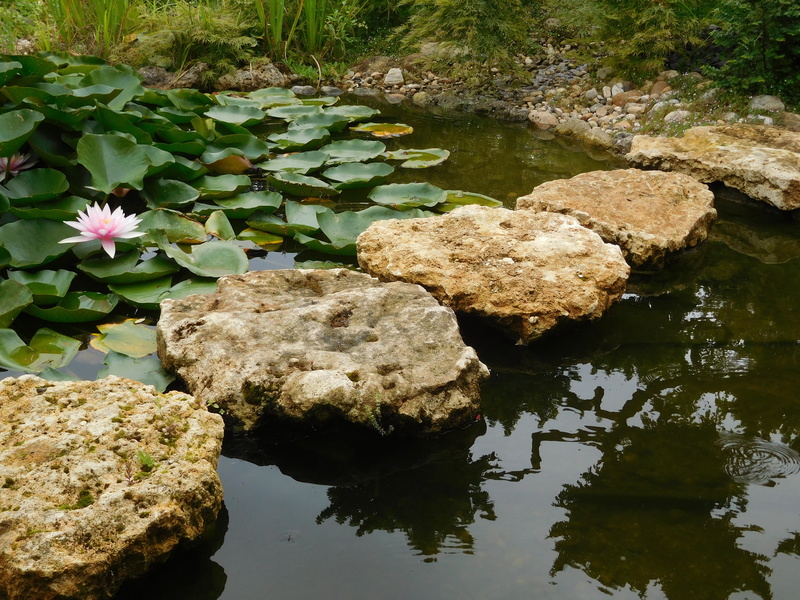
753 460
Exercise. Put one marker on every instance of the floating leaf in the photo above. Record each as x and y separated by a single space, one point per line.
147 370
63 209
129 85
219 226
227 161
126 338
354 112
264 240
221 186
294 111
324 120
358 175
176 115
210 259
419 159
184 170
189 99
384 130
178 228
14 298
320 101
300 162
36 185
34 242
47 349
408 195
300 218
16 127
46 286
113 161
168 193
249 145
456 198
242 206
345 151
143 294
301 185
300 139
76 307
246 116
189 287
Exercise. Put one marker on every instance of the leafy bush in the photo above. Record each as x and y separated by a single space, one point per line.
17 19
490 29
763 41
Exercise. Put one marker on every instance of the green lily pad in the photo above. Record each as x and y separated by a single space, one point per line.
266 241
47 287
320 101
5 257
246 116
225 161
128 338
249 145
210 259
129 85
300 218
301 185
5 203
358 175
345 151
176 115
168 193
408 195
456 198
242 206
113 161
34 242
353 112
294 111
384 130
176 226
16 127
9 70
63 209
76 307
36 185
300 139
147 370
272 92
323 120
143 294
419 159
184 169
299 162
219 226
14 298
189 99
46 349
221 186
189 287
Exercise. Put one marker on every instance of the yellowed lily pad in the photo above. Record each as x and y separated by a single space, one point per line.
384 130
129 338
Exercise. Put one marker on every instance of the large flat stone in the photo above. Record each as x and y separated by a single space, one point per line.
315 346
649 214
760 161
80 510
525 272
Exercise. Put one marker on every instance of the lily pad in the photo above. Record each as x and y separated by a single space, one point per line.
63 209
46 286
266 241
168 193
34 242
419 159
384 130
221 186
300 218
324 120
300 139
294 111
175 225
76 307
36 185
301 185
14 298
242 206
184 170
147 370
408 195
16 127
300 162
210 259
345 151
226 161
128 338
114 161
249 145
144 294
353 112
358 175
246 116
456 198
46 349
125 268
219 226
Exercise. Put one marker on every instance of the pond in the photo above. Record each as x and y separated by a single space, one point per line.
651 454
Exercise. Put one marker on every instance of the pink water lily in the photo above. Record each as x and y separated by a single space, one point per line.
12 165
101 224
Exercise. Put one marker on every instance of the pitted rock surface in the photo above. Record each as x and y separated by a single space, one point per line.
316 346
649 214
760 161
80 510
525 272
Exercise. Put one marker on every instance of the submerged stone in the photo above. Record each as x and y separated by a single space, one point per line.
315 347
100 481
525 272
760 161
649 214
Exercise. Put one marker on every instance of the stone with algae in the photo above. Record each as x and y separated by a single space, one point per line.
99 480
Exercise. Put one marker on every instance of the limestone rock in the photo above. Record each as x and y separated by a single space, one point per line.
394 77
192 77
649 214
314 346
767 103
525 272
256 77
760 161
542 119
101 479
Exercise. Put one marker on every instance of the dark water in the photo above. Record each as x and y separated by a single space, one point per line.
652 454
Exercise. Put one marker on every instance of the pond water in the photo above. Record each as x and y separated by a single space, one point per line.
651 454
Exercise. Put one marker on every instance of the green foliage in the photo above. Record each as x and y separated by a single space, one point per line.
763 41
487 29
91 25
17 20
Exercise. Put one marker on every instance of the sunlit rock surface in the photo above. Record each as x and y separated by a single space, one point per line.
100 480
524 271
760 161
316 346
649 214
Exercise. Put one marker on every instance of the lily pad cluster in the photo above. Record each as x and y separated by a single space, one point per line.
215 180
